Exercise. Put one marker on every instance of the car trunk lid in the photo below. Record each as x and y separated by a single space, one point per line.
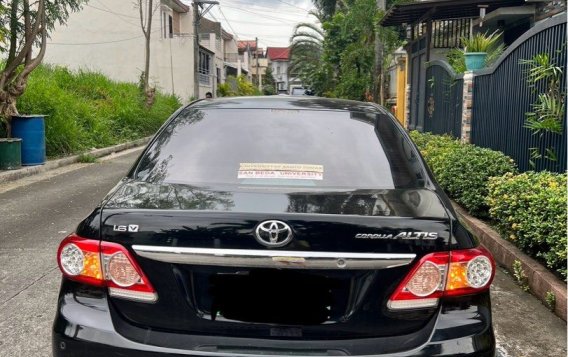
349 251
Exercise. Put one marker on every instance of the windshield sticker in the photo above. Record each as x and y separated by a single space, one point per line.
280 171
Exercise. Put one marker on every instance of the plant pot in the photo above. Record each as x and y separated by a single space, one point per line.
475 60
31 128
10 153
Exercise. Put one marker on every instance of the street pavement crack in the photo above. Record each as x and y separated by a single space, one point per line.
28 286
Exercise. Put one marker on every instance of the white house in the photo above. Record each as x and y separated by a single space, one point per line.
226 58
106 36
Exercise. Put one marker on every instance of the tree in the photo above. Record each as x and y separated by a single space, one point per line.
269 86
147 8
327 8
349 49
29 25
339 60
305 52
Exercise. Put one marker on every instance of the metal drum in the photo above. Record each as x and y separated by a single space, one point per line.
31 129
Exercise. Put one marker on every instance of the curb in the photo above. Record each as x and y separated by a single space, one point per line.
540 280
13 175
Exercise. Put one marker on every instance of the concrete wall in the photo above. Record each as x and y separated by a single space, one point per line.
106 37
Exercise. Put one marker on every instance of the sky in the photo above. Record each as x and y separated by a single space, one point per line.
272 21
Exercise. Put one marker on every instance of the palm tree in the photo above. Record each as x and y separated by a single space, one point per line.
326 8
305 51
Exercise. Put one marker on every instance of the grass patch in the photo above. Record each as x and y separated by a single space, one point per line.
550 300
86 158
87 110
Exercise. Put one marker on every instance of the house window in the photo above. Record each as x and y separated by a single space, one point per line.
277 69
204 68
164 25
168 25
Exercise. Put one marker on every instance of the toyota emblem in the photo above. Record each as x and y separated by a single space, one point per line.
273 233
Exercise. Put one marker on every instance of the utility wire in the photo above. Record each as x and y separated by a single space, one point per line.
94 43
289 4
271 9
228 23
279 19
112 12
258 23
119 16
103 43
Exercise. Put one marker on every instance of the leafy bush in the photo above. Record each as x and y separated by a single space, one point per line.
432 146
86 109
530 210
237 87
462 170
482 42
488 43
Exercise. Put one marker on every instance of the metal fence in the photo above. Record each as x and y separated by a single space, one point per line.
443 104
448 33
502 97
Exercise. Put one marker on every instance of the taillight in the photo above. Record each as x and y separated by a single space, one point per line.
459 272
104 264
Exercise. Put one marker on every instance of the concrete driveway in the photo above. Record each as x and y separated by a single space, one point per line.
37 212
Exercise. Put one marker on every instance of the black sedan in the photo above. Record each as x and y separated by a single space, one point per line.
275 226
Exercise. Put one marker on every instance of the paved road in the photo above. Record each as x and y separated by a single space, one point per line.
36 213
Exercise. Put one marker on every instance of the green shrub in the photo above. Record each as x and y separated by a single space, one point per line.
86 109
462 170
530 210
433 146
237 87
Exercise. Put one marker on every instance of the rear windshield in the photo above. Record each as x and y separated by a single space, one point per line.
267 148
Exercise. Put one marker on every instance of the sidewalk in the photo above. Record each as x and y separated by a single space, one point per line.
540 280
25 171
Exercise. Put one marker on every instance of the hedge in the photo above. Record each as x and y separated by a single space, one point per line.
530 210
463 170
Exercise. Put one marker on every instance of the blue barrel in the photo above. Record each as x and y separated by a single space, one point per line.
31 129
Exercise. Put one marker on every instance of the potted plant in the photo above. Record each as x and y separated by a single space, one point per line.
477 47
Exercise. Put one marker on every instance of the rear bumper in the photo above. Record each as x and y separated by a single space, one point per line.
84 327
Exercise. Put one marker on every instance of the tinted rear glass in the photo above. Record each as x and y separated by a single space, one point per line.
282 148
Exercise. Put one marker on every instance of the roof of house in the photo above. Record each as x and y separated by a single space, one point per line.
409 13
251 44
177 5
278 53
226 35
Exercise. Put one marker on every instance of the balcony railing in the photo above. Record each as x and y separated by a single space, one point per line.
205 78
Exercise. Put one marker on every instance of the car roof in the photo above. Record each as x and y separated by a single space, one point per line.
286 102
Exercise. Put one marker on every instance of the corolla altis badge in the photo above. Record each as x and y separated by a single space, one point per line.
129 228
401 235
273 233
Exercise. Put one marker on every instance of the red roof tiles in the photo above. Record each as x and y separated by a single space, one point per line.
278 53
242 45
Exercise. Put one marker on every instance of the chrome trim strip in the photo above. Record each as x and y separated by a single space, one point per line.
282 259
